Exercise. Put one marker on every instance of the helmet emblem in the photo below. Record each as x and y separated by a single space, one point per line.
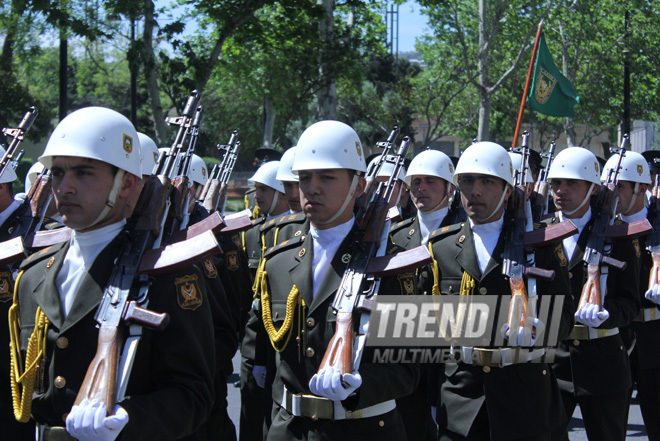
358 147
640 169
451 168
128 143
596 166
203 173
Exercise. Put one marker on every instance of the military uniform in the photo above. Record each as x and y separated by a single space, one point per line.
170 391
289 265
252 244
480 399
592 364
646 355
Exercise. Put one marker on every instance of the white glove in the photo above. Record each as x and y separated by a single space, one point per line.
590 315
527 334
653 294
88 421
330 384
259 374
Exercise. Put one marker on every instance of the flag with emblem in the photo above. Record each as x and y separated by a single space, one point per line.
551 93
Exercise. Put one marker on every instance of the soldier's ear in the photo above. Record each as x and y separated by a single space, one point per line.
129 185
359 188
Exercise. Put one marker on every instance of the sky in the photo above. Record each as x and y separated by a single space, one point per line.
412 24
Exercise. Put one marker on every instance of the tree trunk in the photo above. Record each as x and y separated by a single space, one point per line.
151 74
269 122
327 94
484 91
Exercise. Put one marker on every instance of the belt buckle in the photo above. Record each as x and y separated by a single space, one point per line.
315 407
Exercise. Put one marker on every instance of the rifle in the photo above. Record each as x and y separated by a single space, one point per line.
541 194
360 282
126 296
599 247
214 194
518 259
372 172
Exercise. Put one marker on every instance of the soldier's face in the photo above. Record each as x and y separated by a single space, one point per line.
427 192
481 195
81 188
322 194
568 194
625 192
292 192
264 197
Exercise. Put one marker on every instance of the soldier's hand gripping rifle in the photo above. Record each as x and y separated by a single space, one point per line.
359 284
518 265
541 193
122 308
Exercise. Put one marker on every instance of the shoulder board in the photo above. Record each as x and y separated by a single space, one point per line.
445 231
50 224
258 221
267 225
403 224
291 219
287 244
41 255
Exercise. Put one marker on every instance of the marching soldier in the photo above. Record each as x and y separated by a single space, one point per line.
94 155
261 156
429 178
634 182
502 393
304 273
592 364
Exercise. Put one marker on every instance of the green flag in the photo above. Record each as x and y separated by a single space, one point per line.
551 93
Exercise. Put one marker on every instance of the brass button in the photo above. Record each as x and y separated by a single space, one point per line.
451 288
483 290
297 233
544 372
576 342
570 275
486 369
411 232
461 239
301 253
310 352
277 314
381 423
425 273
62 342
310 322
315 418
59 382
621 347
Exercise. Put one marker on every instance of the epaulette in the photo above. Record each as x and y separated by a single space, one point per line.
401 225
267 225
444 231
39 256
291 219
287 244
258 220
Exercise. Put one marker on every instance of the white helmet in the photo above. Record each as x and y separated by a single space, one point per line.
516 161
149 153
575 163
431 163
634 168
485 158
387 168
284 172
267 175
198 171
96 133
9 175
32 174
329 145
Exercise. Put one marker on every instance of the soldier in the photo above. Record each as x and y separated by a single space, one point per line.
592 364
430 180
261 156
305 273
94 155
490 395
270 199
634 182
12 430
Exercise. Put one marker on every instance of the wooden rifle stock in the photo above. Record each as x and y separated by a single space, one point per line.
211 200
517 316
339 354
100 380
654 275
591 289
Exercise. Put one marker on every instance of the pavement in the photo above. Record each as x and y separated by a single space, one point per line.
636 429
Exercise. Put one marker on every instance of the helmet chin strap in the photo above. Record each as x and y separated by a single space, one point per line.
349 196
586 198
633 199
499 205
273 204
450 189
112 197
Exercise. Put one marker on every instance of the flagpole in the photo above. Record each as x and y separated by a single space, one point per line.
529 79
